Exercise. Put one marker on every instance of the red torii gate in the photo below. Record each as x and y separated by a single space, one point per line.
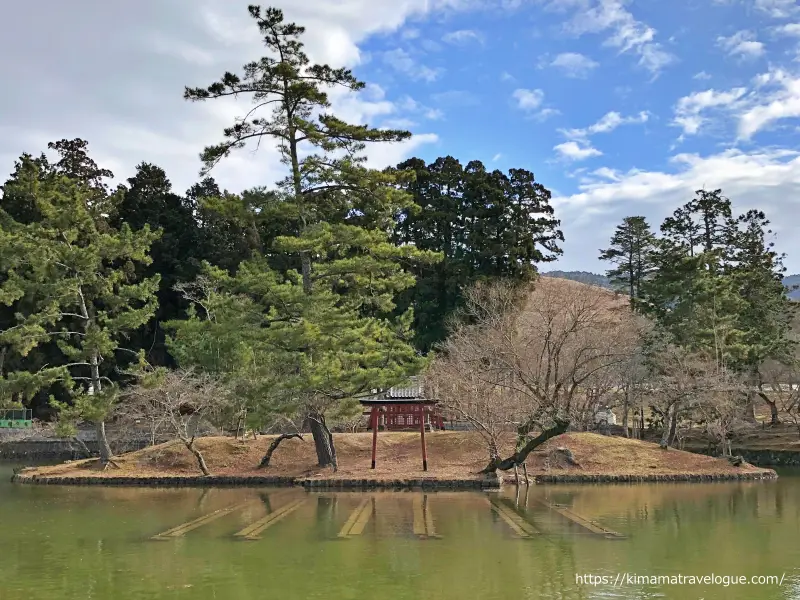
401 413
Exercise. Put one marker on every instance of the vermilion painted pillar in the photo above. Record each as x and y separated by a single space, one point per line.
374 418
422 432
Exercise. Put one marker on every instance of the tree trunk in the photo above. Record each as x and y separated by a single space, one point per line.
773 409
671 428
520 455
97 387
274 446
323 441
84 448
625 409
201 462
665 441
641 422
102 443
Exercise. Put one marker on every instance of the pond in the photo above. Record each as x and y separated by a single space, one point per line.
61 543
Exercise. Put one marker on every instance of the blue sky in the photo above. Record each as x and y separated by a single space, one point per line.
619 107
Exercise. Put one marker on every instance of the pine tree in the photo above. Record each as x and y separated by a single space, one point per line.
74 284
175 255
343 210
631 250
766 315
487 225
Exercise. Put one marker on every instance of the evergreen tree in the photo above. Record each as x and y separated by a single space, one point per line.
346 264
223 239
631 250
488 225
75 284
175 255
767 312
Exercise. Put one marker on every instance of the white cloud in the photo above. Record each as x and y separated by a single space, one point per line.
789 29
765 179
402 62
626 33
497 157
689 109
528 100
778 98
773 96
382 155
573 151
607 123
778 9
546 113
144 117
574 64
701 75
463 36
580 148
410 34
742 44
506 76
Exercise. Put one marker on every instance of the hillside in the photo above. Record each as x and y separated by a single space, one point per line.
451 455
790 281
582 277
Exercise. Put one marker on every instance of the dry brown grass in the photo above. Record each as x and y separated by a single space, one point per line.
451 455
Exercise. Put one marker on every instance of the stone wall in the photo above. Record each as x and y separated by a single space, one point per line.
52 450
760 457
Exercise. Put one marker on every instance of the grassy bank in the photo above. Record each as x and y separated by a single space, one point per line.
452 456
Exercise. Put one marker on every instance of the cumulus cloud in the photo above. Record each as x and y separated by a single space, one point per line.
689 110
742 44
127 100
778 9
766 179
772 97
574 151
528 99
625 32
788 29
574 64
580 148
607 123
777 98
530 102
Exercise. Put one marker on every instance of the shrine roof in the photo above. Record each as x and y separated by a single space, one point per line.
414 393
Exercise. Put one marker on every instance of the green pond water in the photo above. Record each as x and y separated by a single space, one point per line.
60 543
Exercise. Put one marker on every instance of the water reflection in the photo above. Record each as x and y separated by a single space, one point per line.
62 543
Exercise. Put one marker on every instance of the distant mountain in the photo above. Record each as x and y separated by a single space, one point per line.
581 276
790 281
594 279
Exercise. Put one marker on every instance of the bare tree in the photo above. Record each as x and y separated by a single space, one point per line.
465 394
781 389
721 408
182 404
543 350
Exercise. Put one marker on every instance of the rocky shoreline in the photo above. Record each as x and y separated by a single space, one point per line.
27 476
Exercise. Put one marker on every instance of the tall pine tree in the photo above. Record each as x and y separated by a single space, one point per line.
631 250
73 283
344 214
